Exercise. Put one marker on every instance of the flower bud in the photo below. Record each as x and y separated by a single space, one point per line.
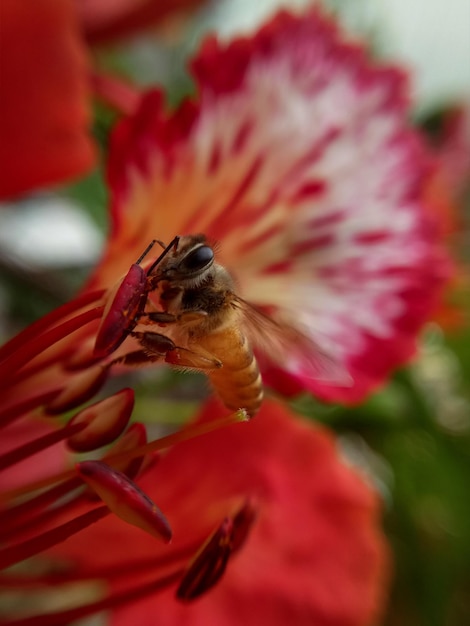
209 565
243 522
80 388
124 302
105 421
125 499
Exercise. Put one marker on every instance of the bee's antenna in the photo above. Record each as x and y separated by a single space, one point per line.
173 243
145 252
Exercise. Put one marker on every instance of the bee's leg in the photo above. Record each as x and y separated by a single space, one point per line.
186 358
162 346
154 348
157 317
154 343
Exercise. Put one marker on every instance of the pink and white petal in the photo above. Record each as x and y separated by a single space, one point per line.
298 158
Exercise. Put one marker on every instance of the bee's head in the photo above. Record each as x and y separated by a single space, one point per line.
189 263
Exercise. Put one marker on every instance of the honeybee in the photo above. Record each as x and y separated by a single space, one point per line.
208 326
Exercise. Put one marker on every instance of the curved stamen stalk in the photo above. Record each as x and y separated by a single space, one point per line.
41 443
112 601
38 344
190 432
204 570
15 554
15 514
45 322
116 571
21 409
43 519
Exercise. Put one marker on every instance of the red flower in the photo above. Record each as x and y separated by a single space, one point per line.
445 193
44 108
313 555
299 528
297 157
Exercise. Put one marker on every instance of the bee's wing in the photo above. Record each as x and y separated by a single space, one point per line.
289 347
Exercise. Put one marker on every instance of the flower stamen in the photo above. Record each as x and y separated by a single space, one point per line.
125 499
112 601
45 322
20 409
210 563
41 443
33 347
14 554
45 518
13 516
194 430
120 569
79 388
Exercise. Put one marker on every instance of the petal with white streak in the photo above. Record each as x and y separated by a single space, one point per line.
298 158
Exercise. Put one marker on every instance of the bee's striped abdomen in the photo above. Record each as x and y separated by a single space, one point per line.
238 382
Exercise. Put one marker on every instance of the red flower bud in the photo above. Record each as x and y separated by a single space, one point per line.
209 564
125 499
105 421
79 389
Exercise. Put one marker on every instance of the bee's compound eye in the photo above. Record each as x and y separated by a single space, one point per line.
198 259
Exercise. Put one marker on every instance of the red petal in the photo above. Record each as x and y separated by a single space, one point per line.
315 555
44 109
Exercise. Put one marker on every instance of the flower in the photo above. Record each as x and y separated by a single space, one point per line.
313 555
445 194
207 499
44 110
297 157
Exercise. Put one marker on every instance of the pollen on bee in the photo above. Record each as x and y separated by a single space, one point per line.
243 415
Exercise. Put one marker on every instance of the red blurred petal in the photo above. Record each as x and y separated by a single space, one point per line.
315 553
44 109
